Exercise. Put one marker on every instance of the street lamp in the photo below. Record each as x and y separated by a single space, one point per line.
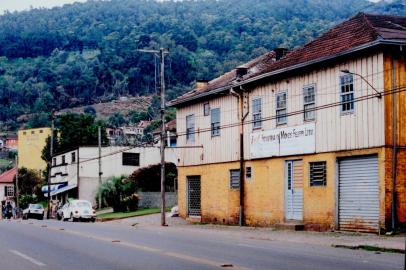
346 71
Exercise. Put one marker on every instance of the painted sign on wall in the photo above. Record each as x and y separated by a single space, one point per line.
284 141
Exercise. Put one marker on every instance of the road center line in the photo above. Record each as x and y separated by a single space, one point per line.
177 255
28 258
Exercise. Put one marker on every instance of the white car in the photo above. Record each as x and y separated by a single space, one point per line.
77 210
34 210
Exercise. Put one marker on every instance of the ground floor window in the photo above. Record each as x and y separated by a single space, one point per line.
234 179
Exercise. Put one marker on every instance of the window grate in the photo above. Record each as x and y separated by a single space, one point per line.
234 179
318 173
248 173
194 193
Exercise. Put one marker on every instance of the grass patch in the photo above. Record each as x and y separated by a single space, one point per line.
119 215
4 162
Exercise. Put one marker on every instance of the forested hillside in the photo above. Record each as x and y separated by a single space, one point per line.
85 53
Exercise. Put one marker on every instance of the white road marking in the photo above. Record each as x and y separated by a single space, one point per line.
28 258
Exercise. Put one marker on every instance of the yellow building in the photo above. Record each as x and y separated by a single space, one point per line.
30 145
313 137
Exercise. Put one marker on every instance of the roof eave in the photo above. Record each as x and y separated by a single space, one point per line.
288 69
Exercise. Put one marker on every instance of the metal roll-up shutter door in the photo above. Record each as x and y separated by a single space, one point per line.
359 194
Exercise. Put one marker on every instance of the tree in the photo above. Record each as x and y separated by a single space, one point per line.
117 120
79 129
29 182
119 194
149 178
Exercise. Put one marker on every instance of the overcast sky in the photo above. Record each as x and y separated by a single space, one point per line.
18 5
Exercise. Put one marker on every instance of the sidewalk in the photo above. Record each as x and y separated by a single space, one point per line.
335 239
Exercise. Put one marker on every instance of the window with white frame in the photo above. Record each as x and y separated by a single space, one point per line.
281 99
309 101
190 128
215 122
347 93
256 113
234 179
9 191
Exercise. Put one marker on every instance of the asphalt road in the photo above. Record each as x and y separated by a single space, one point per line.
54 245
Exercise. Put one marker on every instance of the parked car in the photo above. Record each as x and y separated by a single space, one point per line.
76 210
34 211
59 212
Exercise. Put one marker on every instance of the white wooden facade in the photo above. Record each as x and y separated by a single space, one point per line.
335 131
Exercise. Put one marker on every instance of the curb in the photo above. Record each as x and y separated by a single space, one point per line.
371 248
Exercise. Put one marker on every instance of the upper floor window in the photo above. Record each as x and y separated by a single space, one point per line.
206 109
215 122
131 159
281 99
347 93
73 157
309 100
190 128
256 113
54 162
63 159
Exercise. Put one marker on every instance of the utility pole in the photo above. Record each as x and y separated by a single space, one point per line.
162 53
51 150
17 191
100 170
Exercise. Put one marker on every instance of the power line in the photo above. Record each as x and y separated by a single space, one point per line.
320 92
325 106
236 124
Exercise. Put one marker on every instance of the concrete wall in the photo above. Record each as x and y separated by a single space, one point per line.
264 193
153 199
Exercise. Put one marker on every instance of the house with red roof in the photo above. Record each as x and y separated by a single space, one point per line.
310 138
7 184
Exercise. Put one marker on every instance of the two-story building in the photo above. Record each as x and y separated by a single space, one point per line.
315 136
75 173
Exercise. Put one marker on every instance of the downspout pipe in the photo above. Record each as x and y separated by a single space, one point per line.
394 144
242 115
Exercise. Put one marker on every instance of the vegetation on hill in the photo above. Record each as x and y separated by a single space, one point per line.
87 53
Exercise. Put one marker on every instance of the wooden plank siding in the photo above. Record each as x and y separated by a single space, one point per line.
364 128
